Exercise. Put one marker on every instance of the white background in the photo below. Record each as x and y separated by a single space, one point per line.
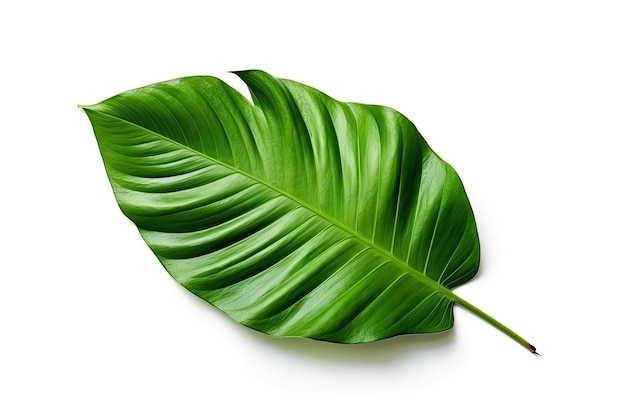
527 100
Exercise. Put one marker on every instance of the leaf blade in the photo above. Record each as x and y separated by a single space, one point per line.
394 296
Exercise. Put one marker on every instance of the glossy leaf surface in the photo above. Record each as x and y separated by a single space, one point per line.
297 215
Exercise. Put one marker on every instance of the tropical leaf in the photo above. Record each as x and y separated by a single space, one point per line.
297 215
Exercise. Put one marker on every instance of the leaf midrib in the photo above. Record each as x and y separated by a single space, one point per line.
422 278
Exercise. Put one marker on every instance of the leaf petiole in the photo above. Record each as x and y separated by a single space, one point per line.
495 323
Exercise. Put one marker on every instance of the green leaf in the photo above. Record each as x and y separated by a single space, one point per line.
297 215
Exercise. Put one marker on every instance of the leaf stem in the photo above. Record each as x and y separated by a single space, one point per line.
495 323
